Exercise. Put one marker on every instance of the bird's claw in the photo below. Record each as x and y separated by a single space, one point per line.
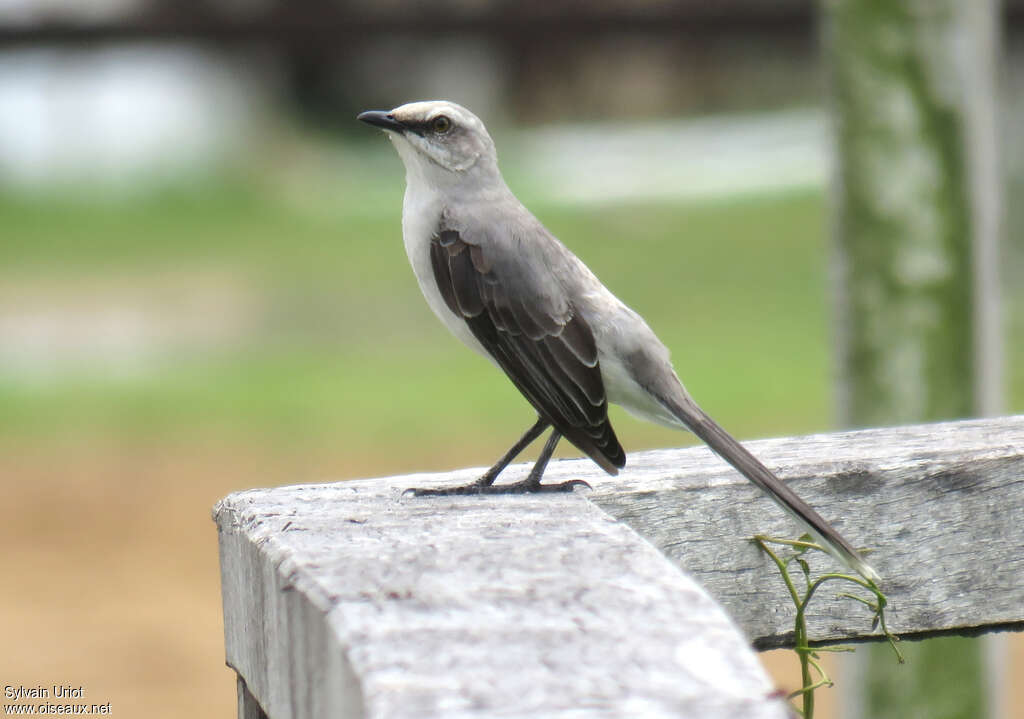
568 486
443 492
524 487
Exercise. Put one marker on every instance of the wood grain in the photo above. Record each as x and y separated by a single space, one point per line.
940 506
352 600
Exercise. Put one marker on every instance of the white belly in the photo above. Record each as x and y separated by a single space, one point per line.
421 213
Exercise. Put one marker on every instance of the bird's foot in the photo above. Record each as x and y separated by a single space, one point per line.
527 486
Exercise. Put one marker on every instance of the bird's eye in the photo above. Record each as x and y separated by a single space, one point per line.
441 124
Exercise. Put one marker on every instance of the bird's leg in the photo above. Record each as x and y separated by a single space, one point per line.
532 482
488 477
485 485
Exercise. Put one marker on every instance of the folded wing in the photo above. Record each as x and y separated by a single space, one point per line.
525 322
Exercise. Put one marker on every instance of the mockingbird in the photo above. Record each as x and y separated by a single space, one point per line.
510 290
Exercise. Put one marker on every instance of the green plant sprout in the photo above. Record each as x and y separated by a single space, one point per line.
812 674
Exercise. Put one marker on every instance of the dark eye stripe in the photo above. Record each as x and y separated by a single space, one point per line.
421 127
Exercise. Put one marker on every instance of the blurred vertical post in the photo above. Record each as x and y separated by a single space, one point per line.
916 222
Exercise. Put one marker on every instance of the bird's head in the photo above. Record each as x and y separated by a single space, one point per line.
437 139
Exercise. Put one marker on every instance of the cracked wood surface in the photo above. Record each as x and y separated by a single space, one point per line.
351 600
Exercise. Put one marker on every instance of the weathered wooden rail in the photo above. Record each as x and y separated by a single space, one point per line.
352 600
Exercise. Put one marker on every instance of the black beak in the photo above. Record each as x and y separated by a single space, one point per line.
381 119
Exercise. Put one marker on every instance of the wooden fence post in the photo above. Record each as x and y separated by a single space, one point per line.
353 600
917 215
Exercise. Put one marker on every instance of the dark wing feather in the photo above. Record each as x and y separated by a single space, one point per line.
552 360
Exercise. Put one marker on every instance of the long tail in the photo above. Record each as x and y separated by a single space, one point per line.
725 446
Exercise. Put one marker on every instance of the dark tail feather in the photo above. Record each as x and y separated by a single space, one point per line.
725 446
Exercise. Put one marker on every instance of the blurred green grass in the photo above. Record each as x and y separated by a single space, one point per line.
344 353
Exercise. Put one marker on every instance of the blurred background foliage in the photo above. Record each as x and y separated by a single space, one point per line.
203 286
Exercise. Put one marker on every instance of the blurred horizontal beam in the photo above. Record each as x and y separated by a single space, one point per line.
296 24
327 26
